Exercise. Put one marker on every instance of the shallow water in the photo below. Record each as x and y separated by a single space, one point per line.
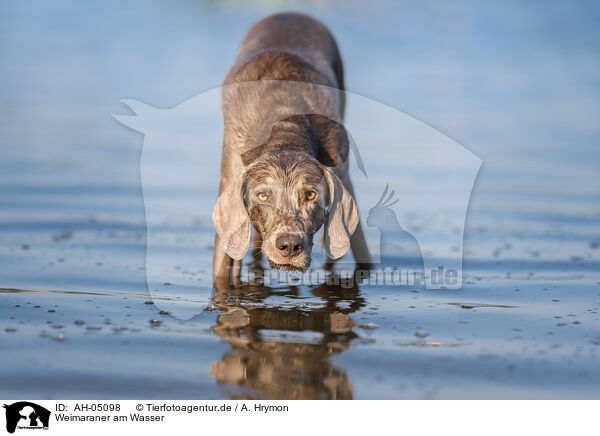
516 85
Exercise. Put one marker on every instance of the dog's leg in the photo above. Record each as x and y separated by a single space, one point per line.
358 243
360 249
236 272
221 265
226 271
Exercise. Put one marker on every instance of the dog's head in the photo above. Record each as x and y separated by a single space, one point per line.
286 196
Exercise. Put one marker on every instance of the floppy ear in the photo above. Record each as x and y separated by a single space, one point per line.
333 140
232 222
341 219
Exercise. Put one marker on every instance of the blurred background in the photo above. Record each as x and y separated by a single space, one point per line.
515 82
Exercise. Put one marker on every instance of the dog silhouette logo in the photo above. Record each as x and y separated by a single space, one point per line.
432 175
26 415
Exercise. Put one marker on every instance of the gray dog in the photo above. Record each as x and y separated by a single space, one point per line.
284 168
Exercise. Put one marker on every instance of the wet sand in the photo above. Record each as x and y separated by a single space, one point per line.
519 328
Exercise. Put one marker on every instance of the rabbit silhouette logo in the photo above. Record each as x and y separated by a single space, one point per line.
26 415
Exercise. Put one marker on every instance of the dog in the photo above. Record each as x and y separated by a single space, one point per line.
284 166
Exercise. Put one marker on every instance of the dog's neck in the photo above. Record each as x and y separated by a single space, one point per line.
294 133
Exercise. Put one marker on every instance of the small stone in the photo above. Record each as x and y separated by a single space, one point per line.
62 237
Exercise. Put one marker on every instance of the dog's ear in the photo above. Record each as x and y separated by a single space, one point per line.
232 222
332 138
341 219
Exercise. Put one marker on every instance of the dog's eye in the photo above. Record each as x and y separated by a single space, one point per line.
261 196
311 195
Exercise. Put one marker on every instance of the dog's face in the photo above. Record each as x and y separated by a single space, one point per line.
286 196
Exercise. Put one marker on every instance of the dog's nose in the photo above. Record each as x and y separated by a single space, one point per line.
288 245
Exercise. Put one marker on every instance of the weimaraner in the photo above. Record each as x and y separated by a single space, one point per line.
284 167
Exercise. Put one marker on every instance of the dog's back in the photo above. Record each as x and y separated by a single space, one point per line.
288 46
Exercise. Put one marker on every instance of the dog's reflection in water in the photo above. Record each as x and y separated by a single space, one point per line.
283 352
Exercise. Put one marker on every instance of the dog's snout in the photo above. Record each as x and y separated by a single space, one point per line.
289 245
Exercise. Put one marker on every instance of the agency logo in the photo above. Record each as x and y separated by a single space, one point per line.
26 415
412 205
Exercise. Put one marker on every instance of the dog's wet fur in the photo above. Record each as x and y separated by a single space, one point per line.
284 162
286 177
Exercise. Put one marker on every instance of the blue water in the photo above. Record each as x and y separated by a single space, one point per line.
515 83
